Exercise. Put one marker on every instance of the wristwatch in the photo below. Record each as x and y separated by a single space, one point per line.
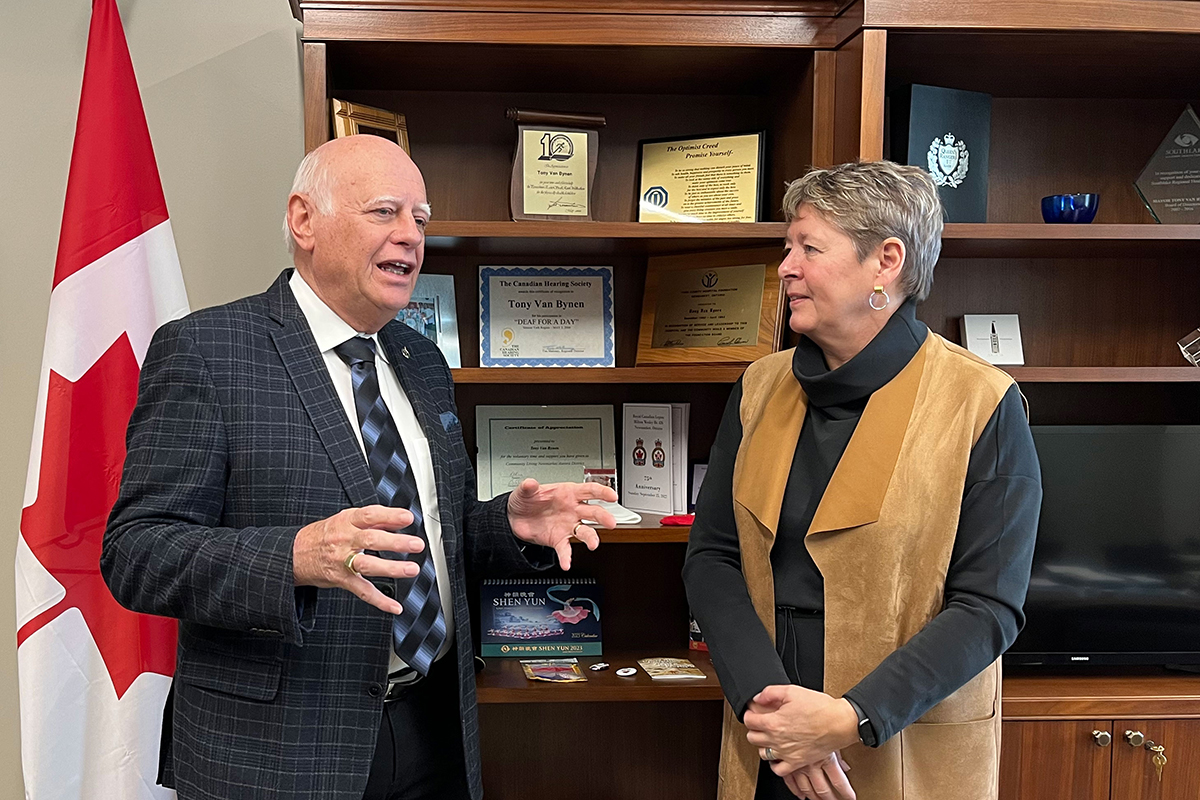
866 733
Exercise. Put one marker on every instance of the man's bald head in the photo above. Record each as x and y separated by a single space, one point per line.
325 168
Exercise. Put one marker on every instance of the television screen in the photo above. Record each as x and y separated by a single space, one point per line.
1116 570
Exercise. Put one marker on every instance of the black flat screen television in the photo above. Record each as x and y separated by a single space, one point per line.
1116 570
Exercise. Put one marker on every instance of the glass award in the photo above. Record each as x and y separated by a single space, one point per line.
1170 183
1190 346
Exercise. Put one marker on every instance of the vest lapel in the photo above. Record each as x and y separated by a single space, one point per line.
860 481
769 451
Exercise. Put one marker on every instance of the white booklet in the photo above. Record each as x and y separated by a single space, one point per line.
680 417
646 483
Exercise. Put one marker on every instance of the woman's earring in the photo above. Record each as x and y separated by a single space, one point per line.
879 292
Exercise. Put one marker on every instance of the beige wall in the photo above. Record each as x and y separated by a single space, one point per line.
220 82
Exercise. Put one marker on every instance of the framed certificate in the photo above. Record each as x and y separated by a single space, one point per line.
550 444
431 313
704 308
554 168
546 317
706 179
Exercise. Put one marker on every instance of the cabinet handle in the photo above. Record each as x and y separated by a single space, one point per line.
1135 738
1103 738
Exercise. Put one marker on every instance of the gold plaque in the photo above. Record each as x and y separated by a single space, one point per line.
555 172
554 167
711 307
711 179
350 119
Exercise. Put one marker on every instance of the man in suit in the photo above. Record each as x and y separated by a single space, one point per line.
297 494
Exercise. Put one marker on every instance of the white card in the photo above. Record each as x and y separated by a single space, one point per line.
996 338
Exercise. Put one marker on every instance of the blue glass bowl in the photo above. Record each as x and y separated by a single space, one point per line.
1079 208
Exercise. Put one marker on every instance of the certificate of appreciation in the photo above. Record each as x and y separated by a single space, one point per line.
546 317
551 444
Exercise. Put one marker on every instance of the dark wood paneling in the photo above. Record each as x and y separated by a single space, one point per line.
1074 312
1054 761
1106 15
588 69
601 751
316 100
1053 146
1074 65
1133 773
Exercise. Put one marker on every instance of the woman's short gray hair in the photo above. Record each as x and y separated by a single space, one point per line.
312 179
871 201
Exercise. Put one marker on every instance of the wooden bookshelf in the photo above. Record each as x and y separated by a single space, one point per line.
700 373
1104 374
649 531
1039 240
502 681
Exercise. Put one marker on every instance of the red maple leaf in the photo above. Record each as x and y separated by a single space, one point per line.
83 451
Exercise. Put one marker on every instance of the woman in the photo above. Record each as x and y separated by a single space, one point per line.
863 537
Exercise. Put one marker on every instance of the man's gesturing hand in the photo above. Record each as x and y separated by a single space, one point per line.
320 551
551 514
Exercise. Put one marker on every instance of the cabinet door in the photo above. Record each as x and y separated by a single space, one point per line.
1133 774
1055 760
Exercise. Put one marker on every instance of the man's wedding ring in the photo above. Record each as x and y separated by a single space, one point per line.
769 755
575 530
349 562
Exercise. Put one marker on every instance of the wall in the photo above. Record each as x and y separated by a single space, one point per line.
220 81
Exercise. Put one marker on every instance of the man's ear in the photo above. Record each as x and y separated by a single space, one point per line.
300 213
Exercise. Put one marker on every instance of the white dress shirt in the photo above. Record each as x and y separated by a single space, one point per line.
330 330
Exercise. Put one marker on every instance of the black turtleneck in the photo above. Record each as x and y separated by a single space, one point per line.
986 580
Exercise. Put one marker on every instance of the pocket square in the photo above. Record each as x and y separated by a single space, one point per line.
449 421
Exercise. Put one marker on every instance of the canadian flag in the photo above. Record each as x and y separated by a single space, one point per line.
94 676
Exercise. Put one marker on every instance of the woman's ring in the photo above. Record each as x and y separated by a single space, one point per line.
349 562
769 755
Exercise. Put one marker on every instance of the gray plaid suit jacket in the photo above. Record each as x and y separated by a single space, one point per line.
237 441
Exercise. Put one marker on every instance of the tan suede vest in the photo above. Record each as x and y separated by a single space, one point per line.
882 538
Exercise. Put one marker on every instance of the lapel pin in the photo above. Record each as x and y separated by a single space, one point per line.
404 351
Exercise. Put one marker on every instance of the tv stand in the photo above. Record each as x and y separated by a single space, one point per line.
1065 734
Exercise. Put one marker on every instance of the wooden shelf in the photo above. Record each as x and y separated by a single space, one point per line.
1157 695
595 238
1034 240
649 531
701 373
502 681
1104 374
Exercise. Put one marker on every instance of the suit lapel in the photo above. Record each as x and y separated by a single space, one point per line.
855 493
306 367
412 379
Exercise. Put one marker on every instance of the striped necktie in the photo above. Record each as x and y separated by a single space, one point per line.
420 629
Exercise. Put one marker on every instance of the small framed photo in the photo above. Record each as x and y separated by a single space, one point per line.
431 312
350 119
996 338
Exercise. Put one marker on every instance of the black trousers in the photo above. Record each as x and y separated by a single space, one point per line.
800 641
419 754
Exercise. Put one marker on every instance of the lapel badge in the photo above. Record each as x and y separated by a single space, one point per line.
404 351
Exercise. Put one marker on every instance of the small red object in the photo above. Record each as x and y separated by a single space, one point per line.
679 519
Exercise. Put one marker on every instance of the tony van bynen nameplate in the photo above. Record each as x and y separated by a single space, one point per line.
715 307
546 317
555 172
714 179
